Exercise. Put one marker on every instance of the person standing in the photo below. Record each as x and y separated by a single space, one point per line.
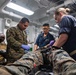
67 32
17 40
43 38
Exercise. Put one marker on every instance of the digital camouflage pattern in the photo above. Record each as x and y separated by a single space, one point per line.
23 65
15 38
63 64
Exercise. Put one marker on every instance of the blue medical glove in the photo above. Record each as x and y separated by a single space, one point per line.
25 47
51 42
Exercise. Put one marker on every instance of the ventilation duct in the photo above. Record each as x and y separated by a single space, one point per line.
57 1
43 3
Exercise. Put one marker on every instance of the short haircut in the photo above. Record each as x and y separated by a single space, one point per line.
23 20
46 24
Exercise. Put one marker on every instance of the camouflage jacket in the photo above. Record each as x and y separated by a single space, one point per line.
15 38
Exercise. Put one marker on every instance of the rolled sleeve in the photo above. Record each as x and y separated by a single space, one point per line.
65 26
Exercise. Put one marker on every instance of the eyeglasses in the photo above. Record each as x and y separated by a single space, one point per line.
45 28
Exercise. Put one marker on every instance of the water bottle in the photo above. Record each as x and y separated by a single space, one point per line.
30 47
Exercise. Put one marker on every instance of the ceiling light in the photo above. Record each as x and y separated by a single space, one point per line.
19 8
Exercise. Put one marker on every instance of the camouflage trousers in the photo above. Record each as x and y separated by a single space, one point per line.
63 64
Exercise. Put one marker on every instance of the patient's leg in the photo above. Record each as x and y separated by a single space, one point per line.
23 65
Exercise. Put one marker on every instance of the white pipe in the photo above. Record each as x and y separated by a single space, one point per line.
6 12
65 3
4 4
11 14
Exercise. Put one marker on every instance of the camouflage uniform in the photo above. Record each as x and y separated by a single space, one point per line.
63 64
15 38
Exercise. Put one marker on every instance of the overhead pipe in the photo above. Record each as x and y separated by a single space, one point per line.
6 12
65 3
4 4
11 13
1 20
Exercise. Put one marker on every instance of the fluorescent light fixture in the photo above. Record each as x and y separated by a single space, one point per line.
19 8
